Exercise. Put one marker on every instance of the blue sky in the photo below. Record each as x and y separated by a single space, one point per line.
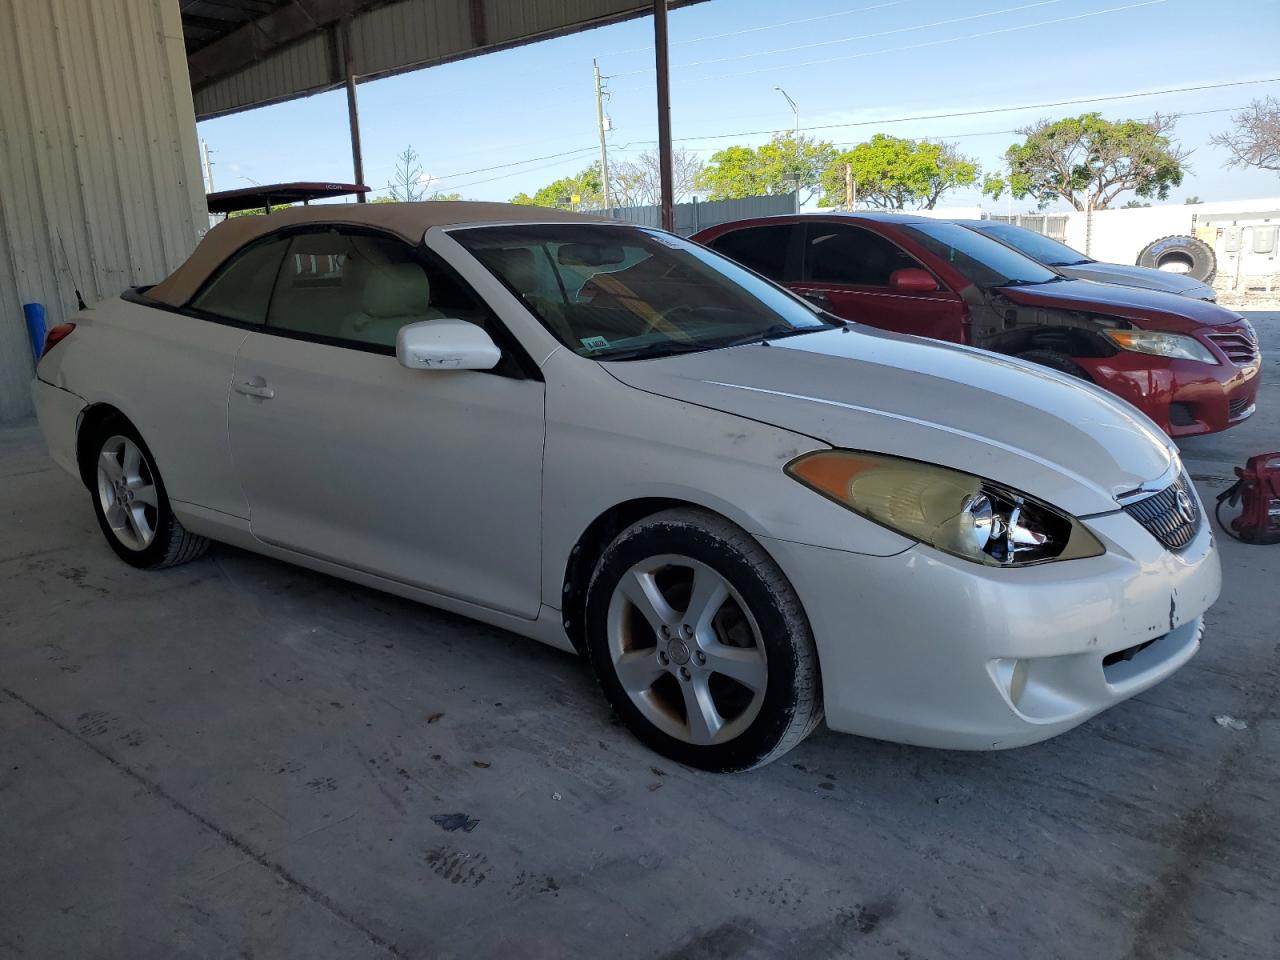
851 65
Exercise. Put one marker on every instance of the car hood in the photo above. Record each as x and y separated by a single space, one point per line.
1144 277
1027 427
1149 309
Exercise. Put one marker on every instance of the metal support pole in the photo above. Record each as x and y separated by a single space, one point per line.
604 150
848 186
353 108
667 202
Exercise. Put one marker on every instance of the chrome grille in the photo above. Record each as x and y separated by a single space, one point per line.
1237 406
1240 348
1172 516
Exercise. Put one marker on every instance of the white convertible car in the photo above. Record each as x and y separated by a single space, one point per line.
613 440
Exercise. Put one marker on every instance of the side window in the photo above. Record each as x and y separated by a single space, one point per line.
363 288
241 289
836 253
762 249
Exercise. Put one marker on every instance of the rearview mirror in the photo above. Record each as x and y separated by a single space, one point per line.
912 280
589 254
446 345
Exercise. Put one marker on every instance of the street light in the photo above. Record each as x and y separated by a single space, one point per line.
796 111
794 108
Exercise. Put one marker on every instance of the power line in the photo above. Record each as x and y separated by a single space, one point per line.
863 36
996 133
767 26
988 111
931 43
514 163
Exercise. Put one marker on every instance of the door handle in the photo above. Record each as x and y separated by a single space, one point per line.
257 387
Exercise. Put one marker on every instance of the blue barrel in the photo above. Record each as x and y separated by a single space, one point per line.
35 326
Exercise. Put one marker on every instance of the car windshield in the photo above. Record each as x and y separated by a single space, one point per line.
1035 245
985 262
623 293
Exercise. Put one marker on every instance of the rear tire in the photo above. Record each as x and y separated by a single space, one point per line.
130 502
700 643
1056 361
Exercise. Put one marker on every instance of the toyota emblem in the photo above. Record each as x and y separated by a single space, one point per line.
1186 509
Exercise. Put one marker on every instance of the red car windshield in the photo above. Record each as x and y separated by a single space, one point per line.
982 260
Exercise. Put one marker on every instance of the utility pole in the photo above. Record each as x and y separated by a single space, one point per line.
666 201
850 191
604 150
208 166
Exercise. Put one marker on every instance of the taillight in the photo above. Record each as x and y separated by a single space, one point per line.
56 335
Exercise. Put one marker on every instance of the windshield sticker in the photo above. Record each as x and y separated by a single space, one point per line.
593 343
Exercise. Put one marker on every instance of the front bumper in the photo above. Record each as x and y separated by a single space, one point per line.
928 649
1185 397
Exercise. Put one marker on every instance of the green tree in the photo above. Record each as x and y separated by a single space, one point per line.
772 168
1088 161
259 211
435 196
894 173
560 193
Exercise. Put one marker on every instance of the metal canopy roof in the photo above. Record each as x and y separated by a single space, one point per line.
206 21
247 53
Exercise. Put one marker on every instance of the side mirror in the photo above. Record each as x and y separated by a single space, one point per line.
446 345
912 280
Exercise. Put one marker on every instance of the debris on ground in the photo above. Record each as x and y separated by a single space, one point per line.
455 821
434 717
482 764
654 786
1230 722
556 796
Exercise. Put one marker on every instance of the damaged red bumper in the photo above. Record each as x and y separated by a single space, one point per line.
1187 397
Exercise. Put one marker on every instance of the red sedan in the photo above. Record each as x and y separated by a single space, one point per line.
1191 366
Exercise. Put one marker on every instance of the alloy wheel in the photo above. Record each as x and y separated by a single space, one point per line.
127 492
686 649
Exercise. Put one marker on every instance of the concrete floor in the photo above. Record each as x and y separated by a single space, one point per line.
237 758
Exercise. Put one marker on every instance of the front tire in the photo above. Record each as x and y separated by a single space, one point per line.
1056 361
700 643
130 502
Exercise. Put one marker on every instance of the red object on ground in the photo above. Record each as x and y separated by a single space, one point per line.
880 270
1259 488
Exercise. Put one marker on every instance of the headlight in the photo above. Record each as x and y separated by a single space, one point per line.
1159 344
957 513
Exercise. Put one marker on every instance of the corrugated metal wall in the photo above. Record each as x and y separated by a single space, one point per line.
406 35
99 175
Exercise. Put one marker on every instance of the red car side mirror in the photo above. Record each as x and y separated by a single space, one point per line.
912 280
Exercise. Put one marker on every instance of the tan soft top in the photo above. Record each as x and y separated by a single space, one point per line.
408 220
